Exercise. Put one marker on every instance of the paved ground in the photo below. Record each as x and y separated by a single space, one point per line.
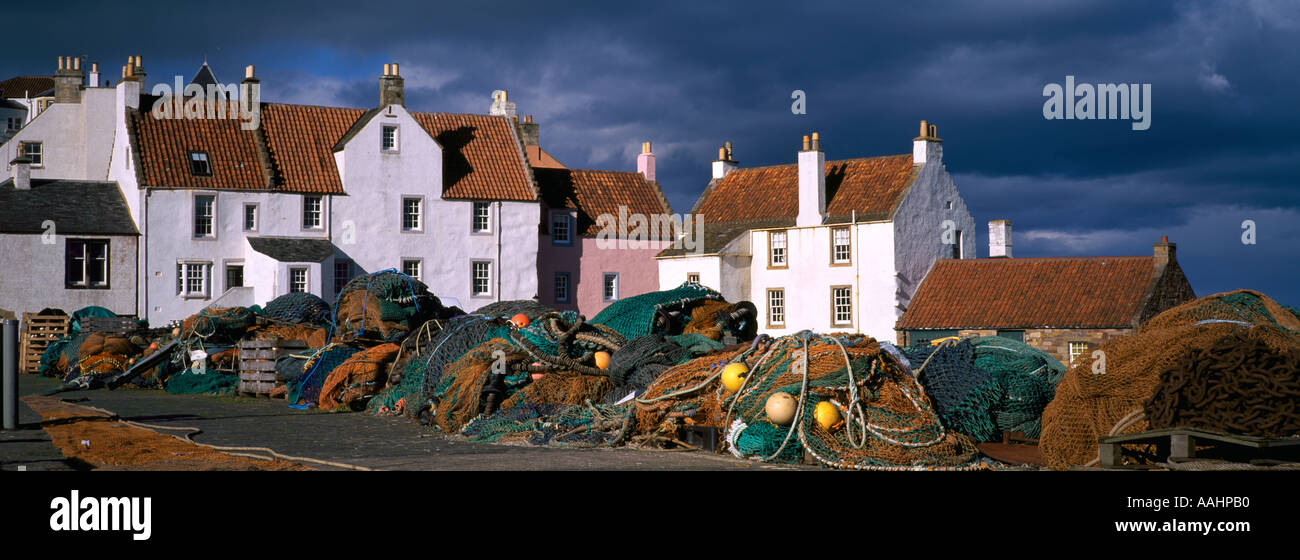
353 438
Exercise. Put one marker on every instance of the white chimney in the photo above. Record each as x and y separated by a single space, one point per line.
94 74
22 173
927 147
645 162
724 164
812 183
1000 238
502 106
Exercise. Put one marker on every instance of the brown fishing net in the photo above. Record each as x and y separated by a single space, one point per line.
1105 386
1247 382
315 337
359 377
704 318
105 343
561 387
696 387
460 399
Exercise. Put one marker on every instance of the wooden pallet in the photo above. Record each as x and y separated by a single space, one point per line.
257 364
1182 444
37 333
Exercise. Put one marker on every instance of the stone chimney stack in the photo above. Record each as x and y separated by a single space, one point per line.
502 106
645 162
391 87
530 133
1165 252
94 75
22 173
812 183
68 80
1000 238
725 162
927 147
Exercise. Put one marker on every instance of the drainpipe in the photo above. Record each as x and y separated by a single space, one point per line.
10 368
498 291
857 262
143 284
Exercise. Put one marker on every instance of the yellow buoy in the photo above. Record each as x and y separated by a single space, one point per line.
602 359
733 376
827 415
781 407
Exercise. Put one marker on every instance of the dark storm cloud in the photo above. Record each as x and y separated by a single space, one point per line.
601 77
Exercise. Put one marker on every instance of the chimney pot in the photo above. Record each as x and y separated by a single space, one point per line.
645 147
1164 238
395 72
925 129
816 141
805 142
94 67
76 63
645 162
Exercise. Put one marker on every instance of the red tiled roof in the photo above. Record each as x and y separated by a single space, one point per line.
481 158
537 157
595 192
19 87
301 138
164 145
870 186
1092 292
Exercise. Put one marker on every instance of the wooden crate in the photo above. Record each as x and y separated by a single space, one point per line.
257 363
37 333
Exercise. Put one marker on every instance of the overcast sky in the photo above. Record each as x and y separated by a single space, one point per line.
1223 146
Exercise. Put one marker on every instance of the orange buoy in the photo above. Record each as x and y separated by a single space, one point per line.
537 376
602 359
520 320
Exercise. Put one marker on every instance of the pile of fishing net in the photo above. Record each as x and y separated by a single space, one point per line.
663 312
352 383
383 306
886 420
199 379
221 325
989 386
299 308
62 357
419 373
507 309
1246 383
1103 388
305 389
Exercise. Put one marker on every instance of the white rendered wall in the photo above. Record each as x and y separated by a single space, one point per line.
919 228
39 281
76 138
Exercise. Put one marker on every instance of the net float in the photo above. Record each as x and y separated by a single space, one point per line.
827 415
733 376
602 359
781 407
520 320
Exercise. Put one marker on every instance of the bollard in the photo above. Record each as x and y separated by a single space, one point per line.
10 393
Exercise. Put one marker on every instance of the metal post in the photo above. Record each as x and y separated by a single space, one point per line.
10 393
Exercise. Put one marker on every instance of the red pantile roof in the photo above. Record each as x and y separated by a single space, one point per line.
870 186
595 192
1092 292
19 87
164 145
481 157
537 157
301 139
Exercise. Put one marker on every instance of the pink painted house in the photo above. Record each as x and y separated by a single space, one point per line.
579 268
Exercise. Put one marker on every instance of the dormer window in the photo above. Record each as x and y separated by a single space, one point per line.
389 138
199 164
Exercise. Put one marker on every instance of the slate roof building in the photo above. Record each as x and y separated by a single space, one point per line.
832 246
66 244
1063 306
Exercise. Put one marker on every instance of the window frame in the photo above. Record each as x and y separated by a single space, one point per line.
785 249
1070 349
768 317
383 138
568 228
225 274
474 277
955 247
604 279
212 217
320 199
848 247
257 218
39 160
568 288
349 272
835 319
419 214
183 279
473 217
419 267
207 161
85 283
693 277
306 279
